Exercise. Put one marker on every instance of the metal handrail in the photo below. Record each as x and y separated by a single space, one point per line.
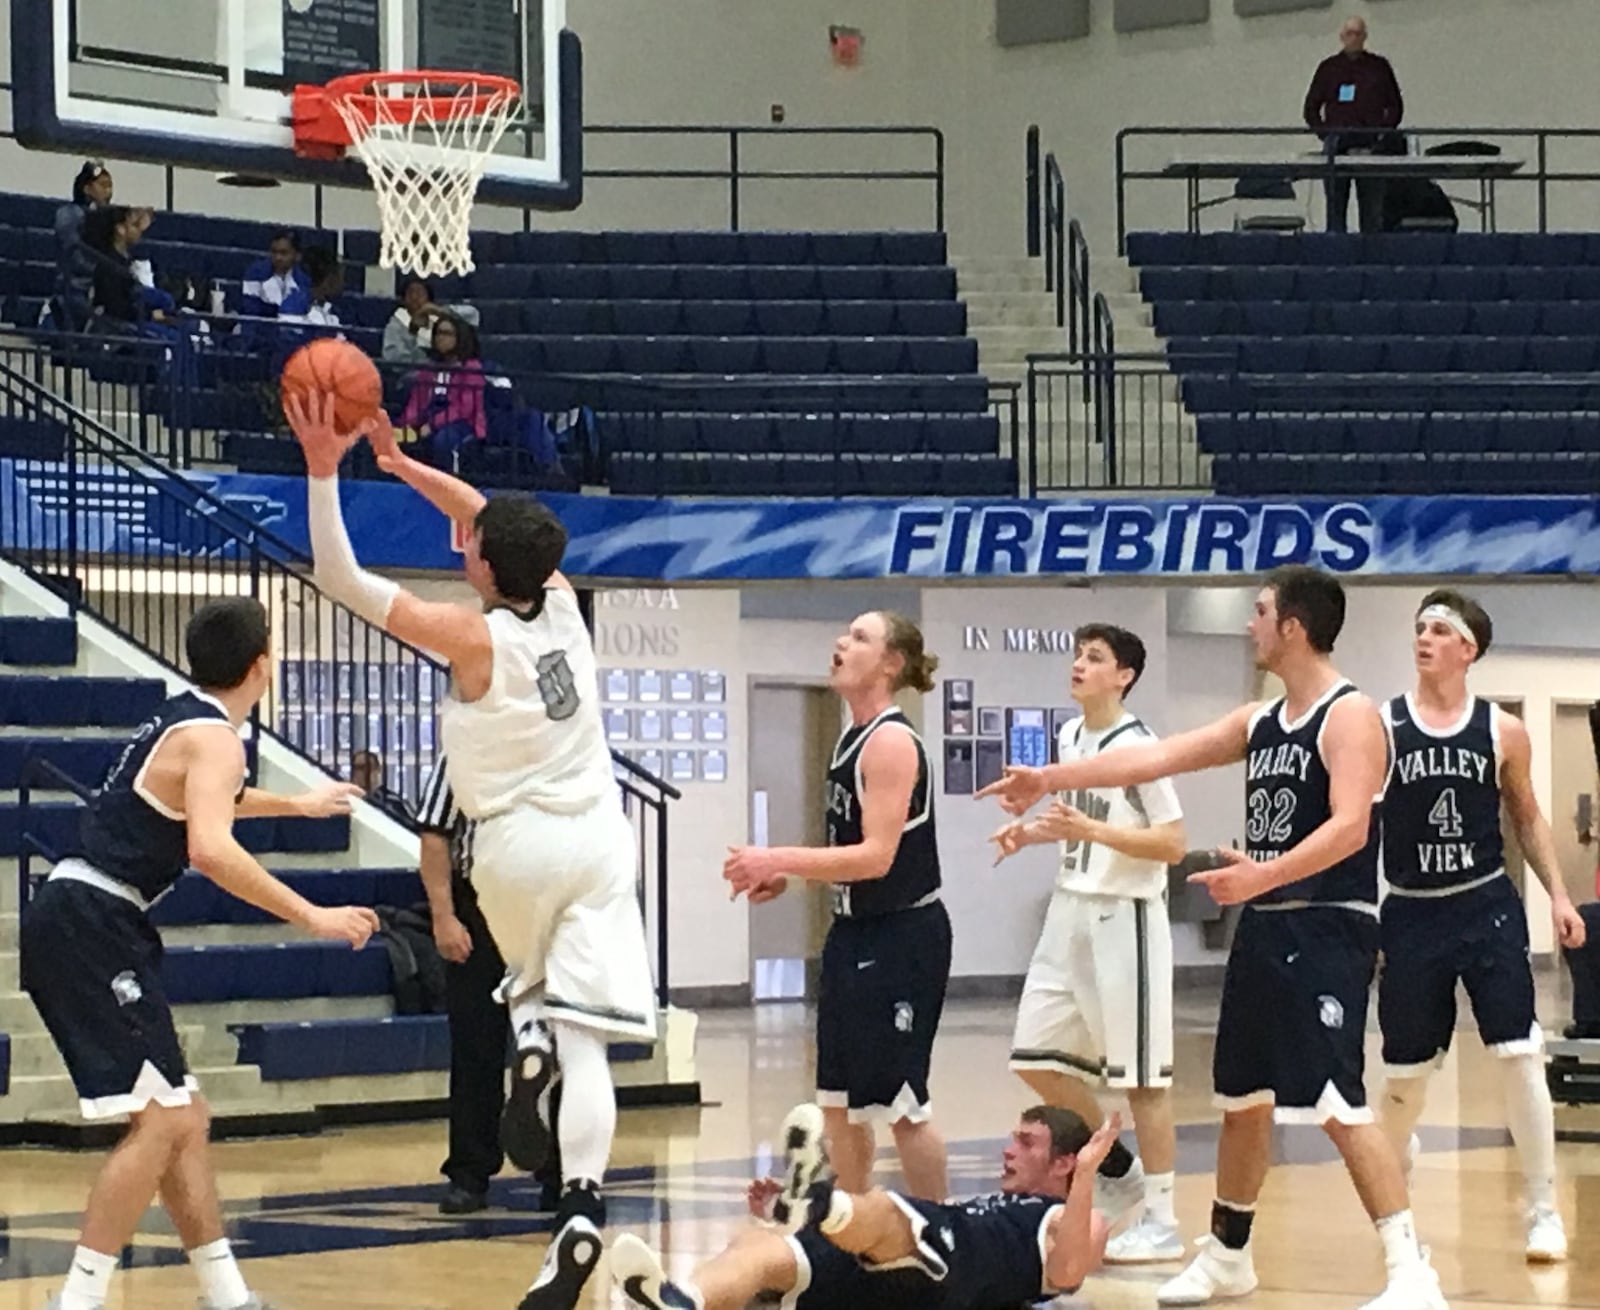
1541 176
35 768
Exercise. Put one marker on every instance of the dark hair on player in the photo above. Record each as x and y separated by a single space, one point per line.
904 637
522 542
223 641
1478 621
285 234
1312 598
1068 1132
1125 647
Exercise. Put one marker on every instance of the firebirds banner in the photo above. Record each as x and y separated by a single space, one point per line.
732 540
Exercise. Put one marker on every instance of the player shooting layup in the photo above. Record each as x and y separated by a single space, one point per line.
1294 1001
553 854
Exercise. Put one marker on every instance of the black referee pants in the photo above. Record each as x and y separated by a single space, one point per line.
480 1034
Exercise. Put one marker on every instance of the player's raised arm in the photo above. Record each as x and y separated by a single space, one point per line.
213 764
1078 1236
889 767
458 632
1533 829
1219 743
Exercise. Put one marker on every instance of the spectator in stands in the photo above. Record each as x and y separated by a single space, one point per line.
91 189
314 303
445 406
1353 99
117 292
271 281
366 771
409 332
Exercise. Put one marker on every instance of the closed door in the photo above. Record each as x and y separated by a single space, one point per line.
1573 800
792 735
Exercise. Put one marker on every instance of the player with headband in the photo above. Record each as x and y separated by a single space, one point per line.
1451 912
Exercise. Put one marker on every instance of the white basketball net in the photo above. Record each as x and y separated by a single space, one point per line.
426 152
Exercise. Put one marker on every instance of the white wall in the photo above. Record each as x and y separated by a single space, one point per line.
1472 62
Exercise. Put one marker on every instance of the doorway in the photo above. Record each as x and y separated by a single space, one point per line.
1573 816
793 729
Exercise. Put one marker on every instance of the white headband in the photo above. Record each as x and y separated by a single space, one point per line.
1447 616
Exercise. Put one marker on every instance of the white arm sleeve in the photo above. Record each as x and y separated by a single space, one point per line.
336 570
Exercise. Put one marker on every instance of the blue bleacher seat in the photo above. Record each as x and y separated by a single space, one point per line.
726 355
1276 318
706 247
790 318
772 248
1261 283
931 318
647 317
1363 318
860 318
796 355
1489 354
641 281
38 641
921 283
498 317
874 355
579 354
1537 283
1418 354
860 248
85 760
713 282
1465 283
1505 318
575 282
942 355
717 318
1167 284
649 355
1568 318
913 247
639 248
1434 318
783 282
1561 354
568 317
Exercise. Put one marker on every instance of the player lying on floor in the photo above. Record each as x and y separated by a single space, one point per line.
1037 1237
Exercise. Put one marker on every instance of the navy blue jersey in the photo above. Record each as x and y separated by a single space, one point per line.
1286 800
997 1255
914 874
126 833
1441 810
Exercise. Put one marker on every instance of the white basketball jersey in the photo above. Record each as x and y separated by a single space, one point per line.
535 737
1099 870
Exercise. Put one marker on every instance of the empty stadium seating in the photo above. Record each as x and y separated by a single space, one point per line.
697 310
1406 363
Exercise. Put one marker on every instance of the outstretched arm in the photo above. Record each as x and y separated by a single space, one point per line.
458 633
213 765
1219 743
1356 752
889 766
1533 829
455 499
317 803
1078 1235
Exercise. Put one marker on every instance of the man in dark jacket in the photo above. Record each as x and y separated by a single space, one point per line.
1353 97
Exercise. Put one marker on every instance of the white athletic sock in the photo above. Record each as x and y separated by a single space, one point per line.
1399 1109
1399 1234
1158 1199
841 1210
1532 1120
88 1281
222 1286
588 1118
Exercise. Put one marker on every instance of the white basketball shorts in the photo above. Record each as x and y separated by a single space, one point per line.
560 895
1097 1003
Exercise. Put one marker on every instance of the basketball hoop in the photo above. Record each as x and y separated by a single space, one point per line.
426 139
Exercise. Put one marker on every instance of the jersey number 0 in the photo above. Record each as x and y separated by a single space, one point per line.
557 687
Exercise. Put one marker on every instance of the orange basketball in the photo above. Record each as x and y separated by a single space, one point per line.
333 366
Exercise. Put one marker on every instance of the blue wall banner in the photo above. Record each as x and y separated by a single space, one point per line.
732 540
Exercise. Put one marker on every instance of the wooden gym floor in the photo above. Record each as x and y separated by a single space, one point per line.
346 1221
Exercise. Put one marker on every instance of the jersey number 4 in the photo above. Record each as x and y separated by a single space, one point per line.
1444 815
557 687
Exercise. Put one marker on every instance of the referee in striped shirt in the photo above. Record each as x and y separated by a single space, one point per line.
480 1028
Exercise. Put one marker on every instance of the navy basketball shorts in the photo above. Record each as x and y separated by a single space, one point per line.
91 962
1292 1029
880 998
1479 937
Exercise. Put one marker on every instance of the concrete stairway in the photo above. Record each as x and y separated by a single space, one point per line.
1011 315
